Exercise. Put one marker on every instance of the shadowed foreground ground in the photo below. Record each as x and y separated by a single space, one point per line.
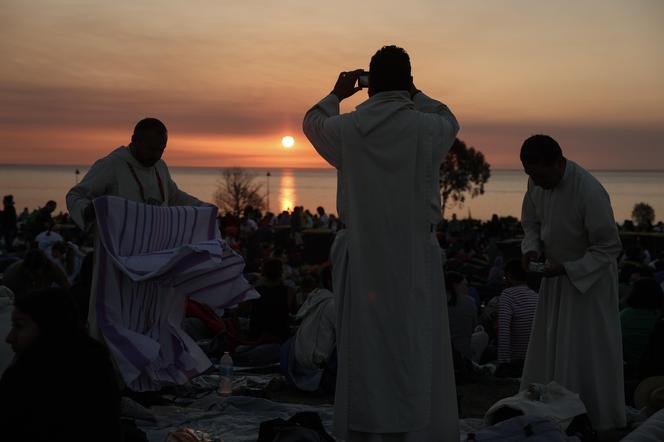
476 398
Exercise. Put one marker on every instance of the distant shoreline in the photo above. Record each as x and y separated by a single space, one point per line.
86 166
32 185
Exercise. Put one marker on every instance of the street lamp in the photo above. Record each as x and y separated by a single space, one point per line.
268 190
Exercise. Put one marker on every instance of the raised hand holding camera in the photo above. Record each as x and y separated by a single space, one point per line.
345 86
363 79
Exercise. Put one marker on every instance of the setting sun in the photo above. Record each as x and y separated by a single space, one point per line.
287 142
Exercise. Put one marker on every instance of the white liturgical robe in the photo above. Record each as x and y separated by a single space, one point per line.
395 376
120 174
576 339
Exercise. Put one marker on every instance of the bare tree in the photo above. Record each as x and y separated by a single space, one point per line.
236 190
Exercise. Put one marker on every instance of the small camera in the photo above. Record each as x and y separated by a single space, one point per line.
537 267
363 79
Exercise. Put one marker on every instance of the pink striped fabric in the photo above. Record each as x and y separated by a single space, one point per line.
153 259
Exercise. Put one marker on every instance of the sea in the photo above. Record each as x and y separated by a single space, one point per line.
285 188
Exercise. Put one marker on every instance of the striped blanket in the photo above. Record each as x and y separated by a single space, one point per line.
151 260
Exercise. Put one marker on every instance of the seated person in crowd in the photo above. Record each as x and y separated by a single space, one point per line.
46 239
497 272
462 313
637 321
629 274
34 272
56 363
81 287
652 362
270 313
308 359
68 257
659 271
516 311
489 317
6 307
39 220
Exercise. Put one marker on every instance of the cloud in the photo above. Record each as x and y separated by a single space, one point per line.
625 147
39 107
81 124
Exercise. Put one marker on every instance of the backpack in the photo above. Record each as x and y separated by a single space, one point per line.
302 427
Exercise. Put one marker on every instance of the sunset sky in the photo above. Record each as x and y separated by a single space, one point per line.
231 78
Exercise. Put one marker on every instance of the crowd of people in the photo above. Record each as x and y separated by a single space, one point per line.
477 268
491 300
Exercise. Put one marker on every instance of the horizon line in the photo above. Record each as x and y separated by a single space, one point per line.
87 166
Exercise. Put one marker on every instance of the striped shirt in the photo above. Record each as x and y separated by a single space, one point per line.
516 311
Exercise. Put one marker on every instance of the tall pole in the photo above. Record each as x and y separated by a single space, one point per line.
268 190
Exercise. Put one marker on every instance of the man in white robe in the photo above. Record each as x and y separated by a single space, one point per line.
567 218
135 172
395 378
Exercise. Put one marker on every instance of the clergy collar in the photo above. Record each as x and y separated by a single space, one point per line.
568 169
566 174
134 162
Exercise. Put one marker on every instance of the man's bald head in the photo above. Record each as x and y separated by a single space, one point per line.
149 141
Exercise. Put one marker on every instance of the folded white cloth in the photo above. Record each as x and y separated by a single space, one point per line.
551 401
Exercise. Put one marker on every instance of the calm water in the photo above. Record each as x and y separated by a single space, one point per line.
32 186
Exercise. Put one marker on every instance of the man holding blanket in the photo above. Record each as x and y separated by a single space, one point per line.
151 255
135 172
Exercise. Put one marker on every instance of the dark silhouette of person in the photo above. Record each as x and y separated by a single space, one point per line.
34 272
56 363
8 222
270 313
386 262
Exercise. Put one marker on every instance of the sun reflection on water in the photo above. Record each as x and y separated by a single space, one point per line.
287 191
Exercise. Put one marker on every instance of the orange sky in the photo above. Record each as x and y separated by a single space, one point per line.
231 78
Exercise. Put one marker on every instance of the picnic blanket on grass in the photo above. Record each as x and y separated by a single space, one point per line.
237 418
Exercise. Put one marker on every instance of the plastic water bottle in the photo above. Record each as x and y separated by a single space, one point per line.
226 373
